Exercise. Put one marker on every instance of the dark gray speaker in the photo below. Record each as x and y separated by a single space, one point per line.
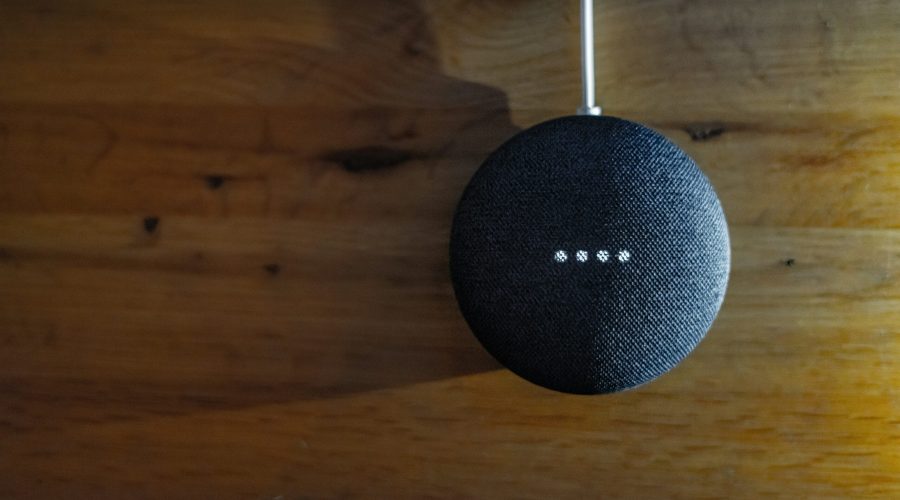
589 254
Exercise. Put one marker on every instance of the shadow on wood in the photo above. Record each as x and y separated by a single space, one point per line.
270 223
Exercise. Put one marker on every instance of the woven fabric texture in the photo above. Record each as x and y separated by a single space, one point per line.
589 254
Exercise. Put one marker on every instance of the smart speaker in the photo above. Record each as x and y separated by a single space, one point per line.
589 254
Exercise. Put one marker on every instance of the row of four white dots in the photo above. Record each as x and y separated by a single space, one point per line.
562 256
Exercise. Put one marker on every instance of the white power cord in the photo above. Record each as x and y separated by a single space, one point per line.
589 100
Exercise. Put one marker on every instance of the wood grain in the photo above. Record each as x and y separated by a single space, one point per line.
223 264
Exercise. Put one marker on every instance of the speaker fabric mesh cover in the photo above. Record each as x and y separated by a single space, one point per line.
589 254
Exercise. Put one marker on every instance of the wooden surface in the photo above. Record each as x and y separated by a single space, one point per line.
223 249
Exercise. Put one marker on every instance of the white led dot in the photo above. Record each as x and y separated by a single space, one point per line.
560 256
624 256
581 255
603 256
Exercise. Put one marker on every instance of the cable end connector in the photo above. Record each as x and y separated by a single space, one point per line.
590 111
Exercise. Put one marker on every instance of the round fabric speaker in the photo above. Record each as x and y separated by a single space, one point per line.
589 254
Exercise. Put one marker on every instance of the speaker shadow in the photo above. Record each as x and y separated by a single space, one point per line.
412 141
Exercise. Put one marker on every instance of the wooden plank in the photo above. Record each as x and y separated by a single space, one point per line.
278 163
